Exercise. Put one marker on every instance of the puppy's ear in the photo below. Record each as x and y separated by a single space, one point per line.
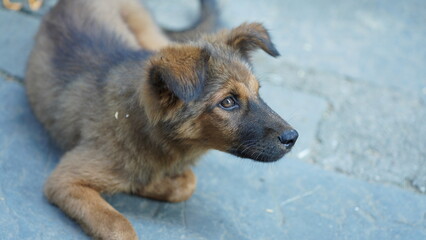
251 36
175 76
181 71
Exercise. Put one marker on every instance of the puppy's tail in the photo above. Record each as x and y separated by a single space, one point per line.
206 23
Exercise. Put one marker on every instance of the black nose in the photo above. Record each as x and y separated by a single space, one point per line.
288 138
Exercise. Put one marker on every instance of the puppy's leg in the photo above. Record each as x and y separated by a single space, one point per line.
107 14
171 189
141 24
16 6
35 4
75 187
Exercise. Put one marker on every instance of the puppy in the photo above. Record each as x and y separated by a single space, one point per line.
134 110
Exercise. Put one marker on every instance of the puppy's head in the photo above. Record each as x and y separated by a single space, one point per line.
205 94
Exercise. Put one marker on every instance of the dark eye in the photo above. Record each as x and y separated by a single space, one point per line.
228 103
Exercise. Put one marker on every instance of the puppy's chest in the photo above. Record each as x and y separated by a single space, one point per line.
144 165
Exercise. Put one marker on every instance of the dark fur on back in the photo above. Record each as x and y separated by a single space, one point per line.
90 49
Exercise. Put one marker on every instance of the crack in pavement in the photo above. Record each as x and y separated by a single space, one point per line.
9 77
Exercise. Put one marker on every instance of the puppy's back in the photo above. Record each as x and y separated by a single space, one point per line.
66 72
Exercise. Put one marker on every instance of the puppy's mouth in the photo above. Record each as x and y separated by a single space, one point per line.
266 150
260 153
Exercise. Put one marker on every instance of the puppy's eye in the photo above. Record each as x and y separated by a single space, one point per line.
228 103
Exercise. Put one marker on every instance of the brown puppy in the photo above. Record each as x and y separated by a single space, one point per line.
134 111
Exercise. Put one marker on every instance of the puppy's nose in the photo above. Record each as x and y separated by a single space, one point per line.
288 138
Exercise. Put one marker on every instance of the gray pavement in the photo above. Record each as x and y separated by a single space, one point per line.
351 79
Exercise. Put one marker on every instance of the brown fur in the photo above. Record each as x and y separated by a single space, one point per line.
133 120
140 23
16 6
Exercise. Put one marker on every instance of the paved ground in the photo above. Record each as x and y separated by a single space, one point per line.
351 79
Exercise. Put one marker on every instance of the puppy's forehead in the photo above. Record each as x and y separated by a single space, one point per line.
230 67
244 79
237 79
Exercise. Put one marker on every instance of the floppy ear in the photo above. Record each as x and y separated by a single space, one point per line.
181 71
251 36
175 76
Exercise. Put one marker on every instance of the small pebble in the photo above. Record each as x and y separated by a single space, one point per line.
301 73
269 210
116 115
303 153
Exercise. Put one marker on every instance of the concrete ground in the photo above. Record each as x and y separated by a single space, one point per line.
351 79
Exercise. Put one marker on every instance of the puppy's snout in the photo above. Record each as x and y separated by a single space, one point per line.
288 138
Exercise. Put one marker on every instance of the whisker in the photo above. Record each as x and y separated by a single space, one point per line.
246 142
247 147
257 157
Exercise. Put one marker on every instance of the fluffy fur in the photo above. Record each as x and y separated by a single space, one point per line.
134 110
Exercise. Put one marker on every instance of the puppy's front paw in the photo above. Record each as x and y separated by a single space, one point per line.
184 187
171 189
116 227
